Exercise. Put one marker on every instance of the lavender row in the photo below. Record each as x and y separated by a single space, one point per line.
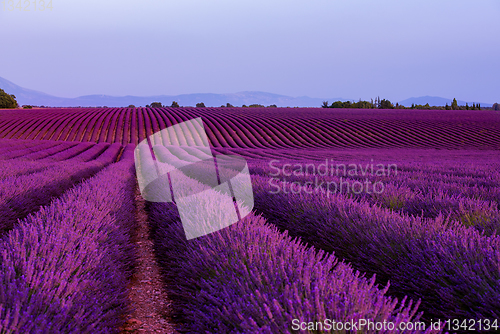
484 215
66 268
19 167
250 278
48 152
283 129
472 205
481 214
8 145
71 152
454 269
111 154
21 195
482 176
128 152
92 153
16 153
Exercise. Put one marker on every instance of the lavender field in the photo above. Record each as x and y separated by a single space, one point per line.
362 220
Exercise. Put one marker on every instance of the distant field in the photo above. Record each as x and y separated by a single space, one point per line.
70 217
264 127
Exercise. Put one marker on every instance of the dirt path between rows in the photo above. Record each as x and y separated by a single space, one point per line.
150 302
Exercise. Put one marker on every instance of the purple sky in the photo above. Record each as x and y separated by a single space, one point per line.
319 48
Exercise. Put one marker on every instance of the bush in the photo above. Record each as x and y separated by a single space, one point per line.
200 105
175 104
386 104
337 104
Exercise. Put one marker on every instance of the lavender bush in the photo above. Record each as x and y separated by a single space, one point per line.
91 153
48 152
17 167
65 269
21 195
71 152
16 153
454 269
250 278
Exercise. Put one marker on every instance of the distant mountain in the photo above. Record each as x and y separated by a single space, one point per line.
27 96
32 97
437 101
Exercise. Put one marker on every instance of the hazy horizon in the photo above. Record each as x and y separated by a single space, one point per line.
319 49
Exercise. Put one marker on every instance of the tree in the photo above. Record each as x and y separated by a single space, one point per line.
325 104
7 101
229 105
175 104
337 104
200 105
131 106
156 105
496 106
385 104
454 104
447 107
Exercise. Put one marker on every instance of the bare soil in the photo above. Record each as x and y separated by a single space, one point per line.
150 303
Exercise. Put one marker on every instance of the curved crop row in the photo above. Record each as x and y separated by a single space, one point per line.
16 153
469 196
71 152
266 127
19 167
65 269
239 280
453 269
46 153
21 195
240 275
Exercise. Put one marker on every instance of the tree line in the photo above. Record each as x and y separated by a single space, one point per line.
202 105
386 104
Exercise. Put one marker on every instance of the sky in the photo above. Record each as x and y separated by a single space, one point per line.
319 48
